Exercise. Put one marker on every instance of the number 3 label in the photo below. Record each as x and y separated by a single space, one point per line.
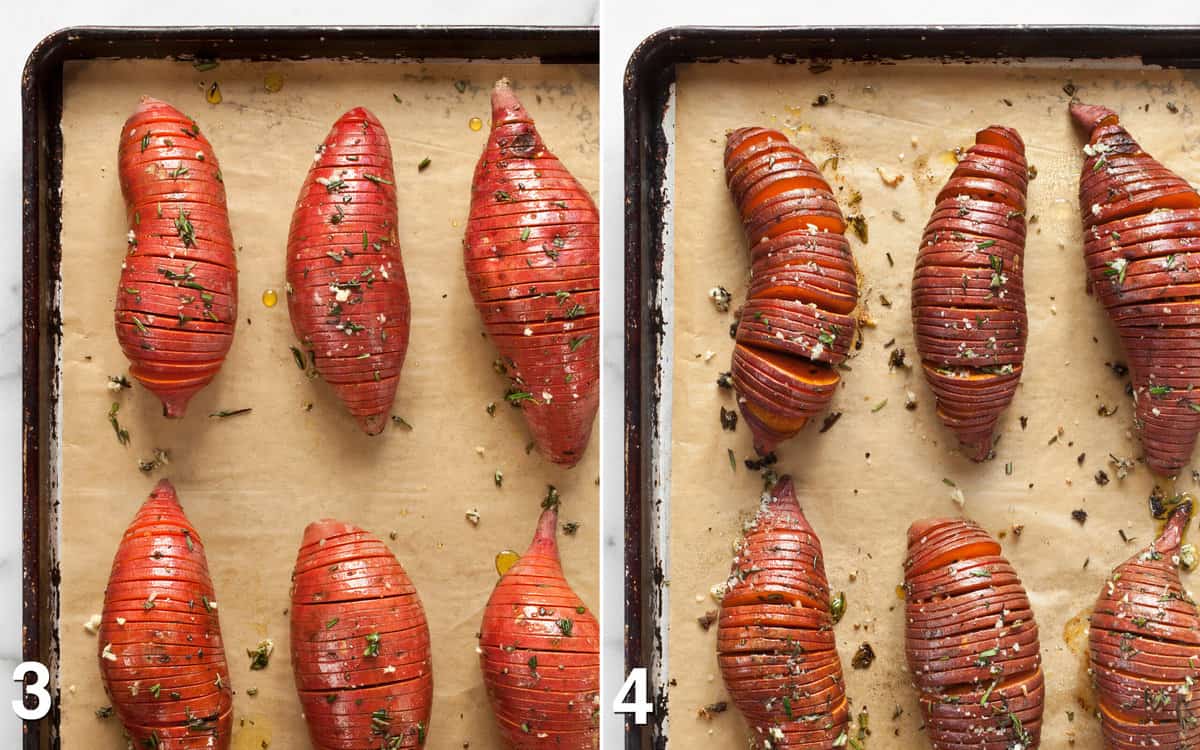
35 689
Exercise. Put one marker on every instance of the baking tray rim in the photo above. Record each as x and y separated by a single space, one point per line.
41 110
648 99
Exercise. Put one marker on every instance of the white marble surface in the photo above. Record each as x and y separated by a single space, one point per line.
29 23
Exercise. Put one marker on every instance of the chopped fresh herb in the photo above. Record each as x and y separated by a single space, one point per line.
185 230
837 607
1160 390
578 342
565 626
332 621
732 460
121 432
298 356
377 179
372 645
879 406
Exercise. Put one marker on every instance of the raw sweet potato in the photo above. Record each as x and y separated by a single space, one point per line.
177 299
1141 232
347 294
798 321
971 640
161 654
360 643
775 641
532 257
968 294
539 649
1144 649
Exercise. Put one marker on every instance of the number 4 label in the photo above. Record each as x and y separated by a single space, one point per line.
35 689
639 706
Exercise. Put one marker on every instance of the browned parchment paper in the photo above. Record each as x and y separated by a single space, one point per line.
251 483
874 472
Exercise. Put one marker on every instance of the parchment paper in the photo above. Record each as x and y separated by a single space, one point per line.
251 483
874 472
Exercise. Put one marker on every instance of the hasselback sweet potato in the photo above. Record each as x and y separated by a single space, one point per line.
176 302
1144 649
1141 233
161 655
346 289
798 322
360 643
539 649
532 258
968 293
775 641
971 640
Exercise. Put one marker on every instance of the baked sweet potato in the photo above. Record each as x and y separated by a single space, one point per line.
971 640
360 643
176 302
968 294
532 258
1144 649
1141 232
798 322
346 289
161 655
539 649
775 641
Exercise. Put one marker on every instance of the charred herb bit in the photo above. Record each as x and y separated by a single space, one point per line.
858 224
372 648
721 298
1069 88
424 164
570 527
401 422
1122 465
502 196
231 413
837 607
897 359
725 380
1024 421
260 655
830 420
757 464
729 419
121 432
1173 108
298 356
732 461
104 712
1101 477
863 657
822 100
1080 515
338 215
460 86
712 709
1105 410
490 408
552 500
118 383
707 619
159 460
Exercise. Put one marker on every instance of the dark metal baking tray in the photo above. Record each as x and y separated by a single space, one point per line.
648 86
41 106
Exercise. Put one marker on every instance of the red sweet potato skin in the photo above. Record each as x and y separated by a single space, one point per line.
968 295
971 640
161 656
798 321
176 304
775 641
532 259
540 653
1141 231
361 654
346 289
1144 649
